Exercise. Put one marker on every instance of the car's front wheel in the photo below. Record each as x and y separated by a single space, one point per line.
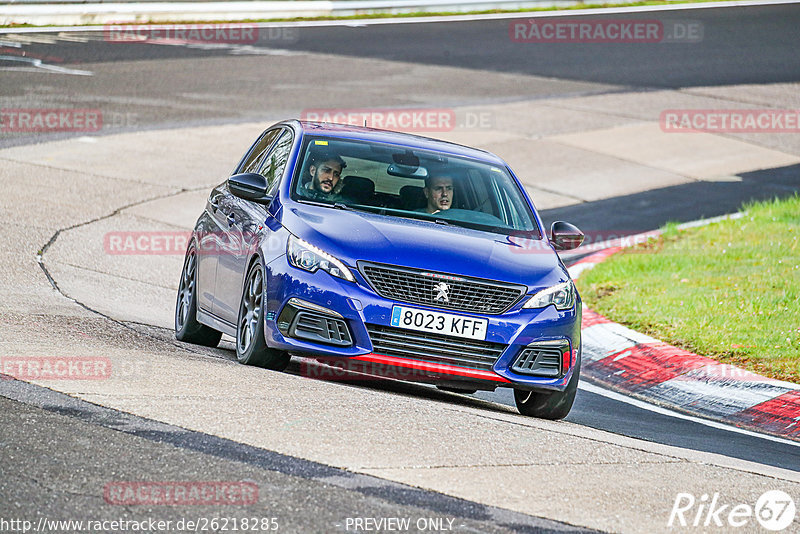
186 326
549 405
251 347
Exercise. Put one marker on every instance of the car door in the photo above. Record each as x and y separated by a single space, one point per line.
213 239
242 221
208 243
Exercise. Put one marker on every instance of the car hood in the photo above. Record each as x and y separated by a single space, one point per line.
354 236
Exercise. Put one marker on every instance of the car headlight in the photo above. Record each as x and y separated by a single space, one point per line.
306 256
561 295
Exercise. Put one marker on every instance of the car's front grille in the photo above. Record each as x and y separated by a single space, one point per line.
441 290
434 348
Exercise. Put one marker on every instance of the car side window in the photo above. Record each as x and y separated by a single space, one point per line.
274 164
253 160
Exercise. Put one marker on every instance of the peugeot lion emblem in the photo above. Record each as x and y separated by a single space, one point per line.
442 289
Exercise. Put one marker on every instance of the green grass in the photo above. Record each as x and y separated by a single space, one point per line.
729 290
522 11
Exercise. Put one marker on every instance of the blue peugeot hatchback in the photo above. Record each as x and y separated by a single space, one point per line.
391 251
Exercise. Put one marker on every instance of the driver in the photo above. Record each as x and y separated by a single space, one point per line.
439 193
325 173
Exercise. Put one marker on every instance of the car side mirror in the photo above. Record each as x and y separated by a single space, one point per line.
565 236
250 186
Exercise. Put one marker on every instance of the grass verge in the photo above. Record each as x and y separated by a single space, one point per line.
729 290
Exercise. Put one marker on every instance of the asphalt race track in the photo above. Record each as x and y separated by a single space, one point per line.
579 123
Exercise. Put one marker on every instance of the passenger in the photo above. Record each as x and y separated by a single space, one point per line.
439 193
325 173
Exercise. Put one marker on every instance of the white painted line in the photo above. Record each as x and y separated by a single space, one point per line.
38 64
644 236
579 267
38 39
72 38
591 388
451 18
711 220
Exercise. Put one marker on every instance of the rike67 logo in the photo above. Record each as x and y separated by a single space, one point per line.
774 510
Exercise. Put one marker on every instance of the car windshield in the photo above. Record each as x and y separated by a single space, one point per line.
412 183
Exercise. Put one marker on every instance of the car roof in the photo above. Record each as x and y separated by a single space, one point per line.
348 131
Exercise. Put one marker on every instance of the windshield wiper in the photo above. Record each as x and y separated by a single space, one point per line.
443 222
340 206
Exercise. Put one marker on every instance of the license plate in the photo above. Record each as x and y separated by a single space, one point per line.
439 323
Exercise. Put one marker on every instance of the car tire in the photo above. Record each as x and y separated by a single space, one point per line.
549 405
251 347
186 326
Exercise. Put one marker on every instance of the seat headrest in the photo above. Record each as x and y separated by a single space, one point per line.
358 188
412 197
